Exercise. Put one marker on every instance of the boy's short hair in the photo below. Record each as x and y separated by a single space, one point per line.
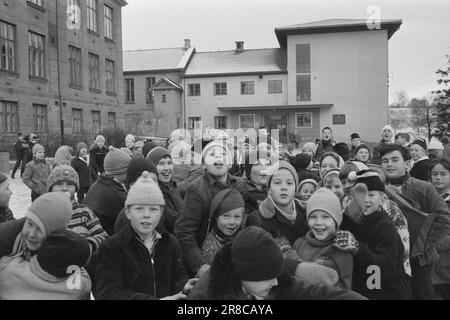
391 147
326 129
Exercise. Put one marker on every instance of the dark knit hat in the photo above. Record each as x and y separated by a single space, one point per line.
3 178
61 173
62 249
362 146
354 136
421 143
287 166
36 148
225 201
371 179
147 147
157 154
255 255
301 161
116 162
343 150
136 167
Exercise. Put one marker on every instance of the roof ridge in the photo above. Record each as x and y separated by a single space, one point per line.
233 50
153 49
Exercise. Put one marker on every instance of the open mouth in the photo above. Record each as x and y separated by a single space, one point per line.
146 224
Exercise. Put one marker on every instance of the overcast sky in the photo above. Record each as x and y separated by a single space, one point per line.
415 51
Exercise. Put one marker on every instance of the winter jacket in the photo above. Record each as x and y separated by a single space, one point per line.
381 246
195 172
36 174
441 272
106 197
212 244
421 170
125 269
310 249
324 146
173 206
6 215
376 156
84 173
256 195
192 226
20 149
26 280
97 156
270 219
8 234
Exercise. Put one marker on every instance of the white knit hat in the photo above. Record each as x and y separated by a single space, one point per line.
435 145
145 191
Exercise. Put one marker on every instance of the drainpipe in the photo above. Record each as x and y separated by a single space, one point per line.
59 77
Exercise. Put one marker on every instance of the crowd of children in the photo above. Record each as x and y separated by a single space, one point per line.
334 221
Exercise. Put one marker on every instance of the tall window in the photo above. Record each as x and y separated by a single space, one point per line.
220 88
110 76
109 22
220 122
112 120
303 61
248 87
275 86
77 121
194 89
149 83
40 118
92 15
94 71
75 65
36 54
194 122
129 90
96 124
35 2
7 47
9 117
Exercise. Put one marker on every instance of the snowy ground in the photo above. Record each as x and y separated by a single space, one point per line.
21 196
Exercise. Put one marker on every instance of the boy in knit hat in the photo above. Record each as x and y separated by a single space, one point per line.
142 261
332 182
36 172
80 163
55 273
420 165
362 153
324 215
5 195
84 222
310 149
355 140
107 195
306 188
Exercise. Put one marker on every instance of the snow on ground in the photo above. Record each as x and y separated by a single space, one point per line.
20 198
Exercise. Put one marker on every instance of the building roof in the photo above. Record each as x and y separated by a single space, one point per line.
156 59
272 60
334 25
166 84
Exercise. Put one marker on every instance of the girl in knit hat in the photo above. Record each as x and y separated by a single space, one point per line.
80 163
36 172
142 261
84 222
310 149
328 161
387 136
420 165
306 188
324 215
362 153
226 218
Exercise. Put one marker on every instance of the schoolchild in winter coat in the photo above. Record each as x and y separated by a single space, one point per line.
362 153
162 159
20 147
84 222
252 268
440 178
331 181
324 214
226 218
81 165
326 144
5 195
306 188
106 197
372 239
310 148
355 141
192 226
257 174
45 276
328 161
97 154
420 166
36 172
387 135
142 261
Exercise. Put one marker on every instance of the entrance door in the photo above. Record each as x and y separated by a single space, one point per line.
277 121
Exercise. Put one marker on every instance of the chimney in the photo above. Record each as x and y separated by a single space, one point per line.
187 44
239 46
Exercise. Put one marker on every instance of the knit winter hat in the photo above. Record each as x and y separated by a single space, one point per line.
354 136
286 166
51 211
301 161
306 181
144 191
225 201
62 249
435 145
147 147
342 150
362 146
330 173
61 173
37 147
63 155
136 167
311 146
157 154
371 179
256 256
3 178
388 127
325 200
116 162
420 142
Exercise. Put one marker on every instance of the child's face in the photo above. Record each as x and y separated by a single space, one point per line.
440 177
401 141
83 151
144 218
282 188
165 169
334 184
32 235
417 152
322 225
100 142
372 203
66 187
5 194
356 142
260 171
230 222
387 135
217 161
306 191
40 154
309 152
328 163
362 155
326 134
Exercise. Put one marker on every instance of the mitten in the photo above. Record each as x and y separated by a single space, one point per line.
355 207
346 242
314 273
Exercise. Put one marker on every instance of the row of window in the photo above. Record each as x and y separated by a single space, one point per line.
149 83
9 119
247 87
